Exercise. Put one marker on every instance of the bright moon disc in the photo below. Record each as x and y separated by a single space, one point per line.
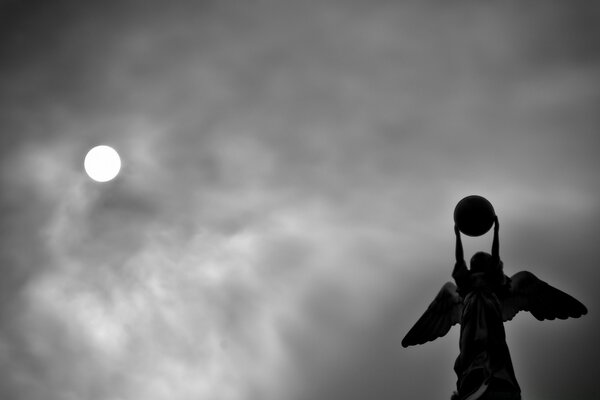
102 163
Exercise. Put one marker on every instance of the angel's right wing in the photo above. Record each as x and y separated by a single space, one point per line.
443 312
528 293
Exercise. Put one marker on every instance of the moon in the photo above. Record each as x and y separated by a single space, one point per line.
102 163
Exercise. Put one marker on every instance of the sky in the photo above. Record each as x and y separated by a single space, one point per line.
283 214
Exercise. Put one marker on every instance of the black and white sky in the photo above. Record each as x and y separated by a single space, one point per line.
284 211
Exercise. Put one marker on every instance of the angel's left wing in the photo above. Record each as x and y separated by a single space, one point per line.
529 293
443 312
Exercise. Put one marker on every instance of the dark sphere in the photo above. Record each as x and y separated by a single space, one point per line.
474 215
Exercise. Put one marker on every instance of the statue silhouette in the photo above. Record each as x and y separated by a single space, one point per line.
482 299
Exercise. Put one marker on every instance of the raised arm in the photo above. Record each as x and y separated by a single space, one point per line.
460 257
495 244
460 272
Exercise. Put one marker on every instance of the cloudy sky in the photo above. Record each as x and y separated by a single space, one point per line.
284 211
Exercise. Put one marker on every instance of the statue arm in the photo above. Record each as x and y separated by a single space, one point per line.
460 257
495 243
460 272
497 271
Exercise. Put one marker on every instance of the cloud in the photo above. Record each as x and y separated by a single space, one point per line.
283 213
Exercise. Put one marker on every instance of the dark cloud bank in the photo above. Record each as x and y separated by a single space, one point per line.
283 215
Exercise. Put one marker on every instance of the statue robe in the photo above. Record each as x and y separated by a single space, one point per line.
483 367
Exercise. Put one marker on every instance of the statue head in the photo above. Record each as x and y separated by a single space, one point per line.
481 261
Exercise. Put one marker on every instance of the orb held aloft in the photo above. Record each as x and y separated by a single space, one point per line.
474 215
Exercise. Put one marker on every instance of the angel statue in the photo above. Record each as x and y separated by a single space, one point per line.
482 299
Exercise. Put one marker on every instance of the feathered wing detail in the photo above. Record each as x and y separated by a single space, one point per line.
528 293
443 312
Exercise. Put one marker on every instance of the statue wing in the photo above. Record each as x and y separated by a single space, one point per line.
443 312
528 293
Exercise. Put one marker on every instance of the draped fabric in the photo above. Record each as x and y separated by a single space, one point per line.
483 367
